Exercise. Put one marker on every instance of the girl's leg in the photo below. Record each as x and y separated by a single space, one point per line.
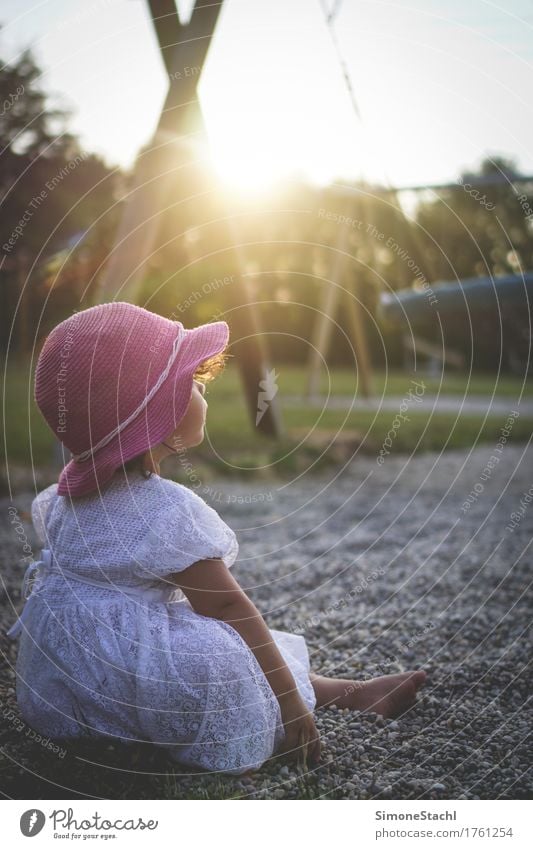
388 695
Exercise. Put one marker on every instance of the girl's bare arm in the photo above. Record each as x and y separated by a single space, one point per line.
213 591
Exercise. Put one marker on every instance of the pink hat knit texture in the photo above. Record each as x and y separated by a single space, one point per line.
113 381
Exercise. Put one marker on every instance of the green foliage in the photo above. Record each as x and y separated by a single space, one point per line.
313 436
479 230
54 196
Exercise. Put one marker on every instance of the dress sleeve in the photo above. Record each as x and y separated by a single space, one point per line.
39 511
185 531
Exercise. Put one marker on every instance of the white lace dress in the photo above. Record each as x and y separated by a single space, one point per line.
126 657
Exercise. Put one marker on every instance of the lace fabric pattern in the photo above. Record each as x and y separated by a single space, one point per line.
98 662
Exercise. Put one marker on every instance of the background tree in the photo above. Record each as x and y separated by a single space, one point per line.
51 193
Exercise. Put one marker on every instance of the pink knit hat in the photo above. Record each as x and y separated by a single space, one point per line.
113 381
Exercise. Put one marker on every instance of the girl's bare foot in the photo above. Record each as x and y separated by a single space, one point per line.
388 695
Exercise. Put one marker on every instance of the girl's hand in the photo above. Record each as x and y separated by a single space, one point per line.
302 742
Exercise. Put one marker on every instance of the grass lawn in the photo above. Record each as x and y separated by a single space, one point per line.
232 445
396 383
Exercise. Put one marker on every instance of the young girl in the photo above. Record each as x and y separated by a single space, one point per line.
135 628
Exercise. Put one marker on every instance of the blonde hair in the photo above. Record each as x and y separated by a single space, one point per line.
211 367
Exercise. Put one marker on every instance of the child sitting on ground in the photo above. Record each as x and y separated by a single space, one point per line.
135 628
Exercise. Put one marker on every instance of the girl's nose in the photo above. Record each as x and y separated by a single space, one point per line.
201 387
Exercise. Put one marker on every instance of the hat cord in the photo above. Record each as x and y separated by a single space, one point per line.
175 450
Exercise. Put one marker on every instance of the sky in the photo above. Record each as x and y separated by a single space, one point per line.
439 83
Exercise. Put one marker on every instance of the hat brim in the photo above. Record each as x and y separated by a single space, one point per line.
160 417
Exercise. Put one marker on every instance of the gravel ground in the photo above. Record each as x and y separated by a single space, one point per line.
383 569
